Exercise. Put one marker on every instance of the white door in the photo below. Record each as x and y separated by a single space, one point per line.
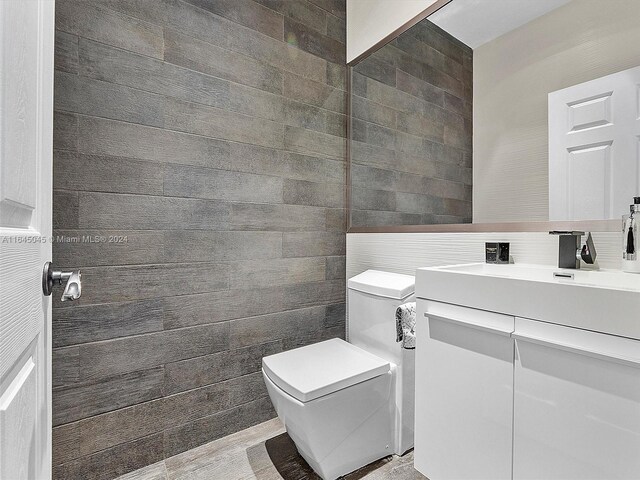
26 119
594 148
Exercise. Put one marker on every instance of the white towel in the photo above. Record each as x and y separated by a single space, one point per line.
406 325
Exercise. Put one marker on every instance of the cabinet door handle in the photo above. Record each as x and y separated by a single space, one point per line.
578 349
466 323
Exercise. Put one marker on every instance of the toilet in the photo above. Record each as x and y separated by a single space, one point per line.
347 404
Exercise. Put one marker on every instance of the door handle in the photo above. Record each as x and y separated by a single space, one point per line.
51 277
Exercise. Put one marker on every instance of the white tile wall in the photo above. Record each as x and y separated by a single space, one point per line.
404 252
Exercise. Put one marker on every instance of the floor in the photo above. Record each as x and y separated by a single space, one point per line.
263 452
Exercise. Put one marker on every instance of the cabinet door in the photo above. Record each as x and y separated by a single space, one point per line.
464 394
576 404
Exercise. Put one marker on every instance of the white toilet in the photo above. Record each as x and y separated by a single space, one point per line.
348 404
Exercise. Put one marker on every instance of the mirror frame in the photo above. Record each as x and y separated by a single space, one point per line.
532 226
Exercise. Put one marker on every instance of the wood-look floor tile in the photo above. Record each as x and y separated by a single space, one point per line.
262 452
207 456
155 471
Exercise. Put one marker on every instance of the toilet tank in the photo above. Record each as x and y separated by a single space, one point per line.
373 297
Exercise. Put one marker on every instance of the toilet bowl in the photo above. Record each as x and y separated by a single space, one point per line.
347 404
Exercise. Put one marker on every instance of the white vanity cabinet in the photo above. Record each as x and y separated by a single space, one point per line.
502 397
576 404
548 388
464 394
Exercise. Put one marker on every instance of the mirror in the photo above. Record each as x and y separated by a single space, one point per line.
451 121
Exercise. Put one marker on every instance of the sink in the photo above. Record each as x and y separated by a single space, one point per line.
542 273
606 301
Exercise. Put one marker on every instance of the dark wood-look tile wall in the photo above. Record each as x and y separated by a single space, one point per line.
210 134
412 132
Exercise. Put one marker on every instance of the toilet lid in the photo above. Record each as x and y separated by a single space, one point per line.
322 368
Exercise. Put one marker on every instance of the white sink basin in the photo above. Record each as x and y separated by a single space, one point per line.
542 273
606 301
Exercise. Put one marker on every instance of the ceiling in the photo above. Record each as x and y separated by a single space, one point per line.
476 22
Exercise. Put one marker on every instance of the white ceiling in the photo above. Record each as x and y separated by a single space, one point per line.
476 22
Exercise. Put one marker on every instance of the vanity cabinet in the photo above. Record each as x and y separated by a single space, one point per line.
503 397
464 394
576 404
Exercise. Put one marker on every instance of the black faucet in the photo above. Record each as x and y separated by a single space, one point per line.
571 249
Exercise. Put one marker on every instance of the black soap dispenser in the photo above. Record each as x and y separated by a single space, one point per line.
630 257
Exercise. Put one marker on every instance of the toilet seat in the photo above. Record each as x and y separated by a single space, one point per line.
313 371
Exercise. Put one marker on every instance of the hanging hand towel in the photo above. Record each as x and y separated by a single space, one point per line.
406 325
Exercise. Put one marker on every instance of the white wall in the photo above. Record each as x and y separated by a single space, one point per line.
369 21
404 252
513 74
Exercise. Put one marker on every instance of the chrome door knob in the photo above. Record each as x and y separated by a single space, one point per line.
51 277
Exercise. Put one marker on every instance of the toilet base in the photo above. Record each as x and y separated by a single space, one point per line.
340 432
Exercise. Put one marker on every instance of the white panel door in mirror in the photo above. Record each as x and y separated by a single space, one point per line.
594 132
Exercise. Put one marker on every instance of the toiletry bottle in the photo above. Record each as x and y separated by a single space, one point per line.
630 257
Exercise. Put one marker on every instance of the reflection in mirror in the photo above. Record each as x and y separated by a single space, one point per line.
594 132
470 87
410 148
